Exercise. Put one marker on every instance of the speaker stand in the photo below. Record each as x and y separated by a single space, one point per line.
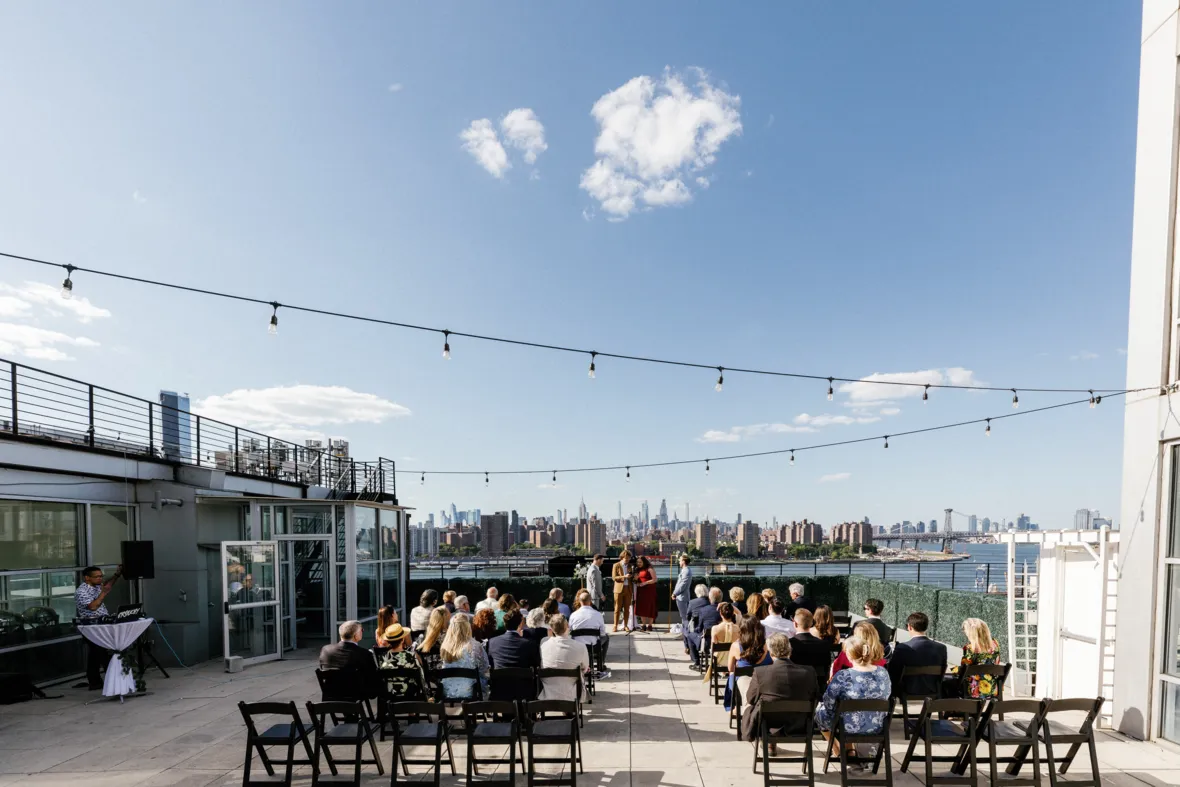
145 650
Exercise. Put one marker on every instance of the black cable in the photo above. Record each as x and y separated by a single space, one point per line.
446 333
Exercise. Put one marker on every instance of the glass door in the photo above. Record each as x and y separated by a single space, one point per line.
250 608
308 618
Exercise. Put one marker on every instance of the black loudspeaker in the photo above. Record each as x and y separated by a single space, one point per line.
139 560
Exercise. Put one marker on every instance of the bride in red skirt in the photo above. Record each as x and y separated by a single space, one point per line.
645 595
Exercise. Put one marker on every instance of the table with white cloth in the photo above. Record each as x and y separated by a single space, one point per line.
117 637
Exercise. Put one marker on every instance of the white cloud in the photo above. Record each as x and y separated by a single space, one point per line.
396 87
830 477
139 198
480 140
548 485
820 421
890 410
1122 351
11 306
48 297
654 133
522 130
1084 355
703 182
299 412
735 434
40 344
408 459
865 393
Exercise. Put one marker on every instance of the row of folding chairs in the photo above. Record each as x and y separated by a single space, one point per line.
349 725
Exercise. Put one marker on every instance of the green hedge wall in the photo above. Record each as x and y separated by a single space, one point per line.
955 606
858 591
886 591
916 598
995 614
832 590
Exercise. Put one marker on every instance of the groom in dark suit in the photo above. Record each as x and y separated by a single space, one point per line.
920 651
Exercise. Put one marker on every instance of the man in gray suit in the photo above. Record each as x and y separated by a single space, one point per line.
680 594
594 582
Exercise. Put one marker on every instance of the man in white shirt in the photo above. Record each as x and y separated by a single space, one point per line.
558 651
489 602
557 595
420 615
587 617
775 623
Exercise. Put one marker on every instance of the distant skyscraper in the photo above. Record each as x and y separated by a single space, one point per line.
620 509
176 426
663 513
706 538
972 524
643 515
495 534
748 537
1084 519
687 515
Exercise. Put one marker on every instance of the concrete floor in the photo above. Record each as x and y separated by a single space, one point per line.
652 723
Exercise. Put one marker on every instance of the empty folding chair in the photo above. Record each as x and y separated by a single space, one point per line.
1023 734
287 733
904 698
842 738
513 684
735 697
1053 733
775 717
573 676
419 724
545 730
349 733
942 731
720 668
493 724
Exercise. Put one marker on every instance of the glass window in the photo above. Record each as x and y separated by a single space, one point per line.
38 535
341 537
1170 713
388 520
342 593
390 584
1174 509
366 590
1171 665
264 514
366 527
310 519
109 526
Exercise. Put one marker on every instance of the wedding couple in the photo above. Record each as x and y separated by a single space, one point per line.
635 592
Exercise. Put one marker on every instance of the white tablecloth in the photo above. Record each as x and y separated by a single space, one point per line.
116 637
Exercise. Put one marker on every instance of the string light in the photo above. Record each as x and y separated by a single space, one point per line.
926 394
886 441
486 480
424 479
555 478
447 345
830 390
720 379
1015 400
706 467
628 475
273 328
792 457
988 431
67 286
1093 401
593 355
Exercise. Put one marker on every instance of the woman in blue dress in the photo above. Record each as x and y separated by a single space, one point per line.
749 651
460 649
863 681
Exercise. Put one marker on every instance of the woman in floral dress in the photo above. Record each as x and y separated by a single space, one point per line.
396 656
980 649
864 680
460 649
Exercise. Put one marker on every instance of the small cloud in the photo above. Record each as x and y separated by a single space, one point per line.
749 173
820 421
703 182
409 459
830 477
20 300
1121 351
550 485
396 87
715 436
39 344
869 391
480 140
890 410
299 412
523 131
139 198
735 434
587 213
1084 355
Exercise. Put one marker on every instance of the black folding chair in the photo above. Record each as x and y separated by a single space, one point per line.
735 713
842 738
282 734
1004 733
343 685
997 672
573 674
720 669
596 660
425 725
932 731
436 687
904 697
1054 733
350 733
393 682
777 715
493 724
560 731
513 684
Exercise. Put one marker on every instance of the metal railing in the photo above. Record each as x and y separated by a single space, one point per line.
43 405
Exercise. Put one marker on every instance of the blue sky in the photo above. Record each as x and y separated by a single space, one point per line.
910 189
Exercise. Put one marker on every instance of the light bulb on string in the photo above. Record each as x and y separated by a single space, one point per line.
706 467
628 475
424 479
67 286
447 345
486 481
555 478
273 328
830 390
926 394
720 379
1093 401
1015 400
886 441
792 457
593 355
988 431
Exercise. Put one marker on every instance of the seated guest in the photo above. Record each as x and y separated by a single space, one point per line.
550 607
700 599
505 605
563 609
587 617
396 655
737 597
558 651
534 625
825 626
420 615
799 600
512 649
490 601
784 679
462 607
483 625
347 654
980 648
769 594
873 609
865 680
449 600
386 617
461 650
775 623
865 631
429 644
727 629
756 607
707 617
809 650
748 651
920 651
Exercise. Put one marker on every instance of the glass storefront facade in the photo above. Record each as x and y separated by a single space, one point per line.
1169 668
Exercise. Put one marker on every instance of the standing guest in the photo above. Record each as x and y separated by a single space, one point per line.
490 601
429 644
748 651
756 607
784 679
799 600
622 577
512 649
645 594
979 649
737 597
462 607
865 680
557 594
810 650
534 625
461 650
483 625
386 617
727 630
449 600
420 615
866 632
347 654
594 582
505 605
873 609
558 651
775 623
825 626
586 617
88 603
397 656
680 596
920 651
